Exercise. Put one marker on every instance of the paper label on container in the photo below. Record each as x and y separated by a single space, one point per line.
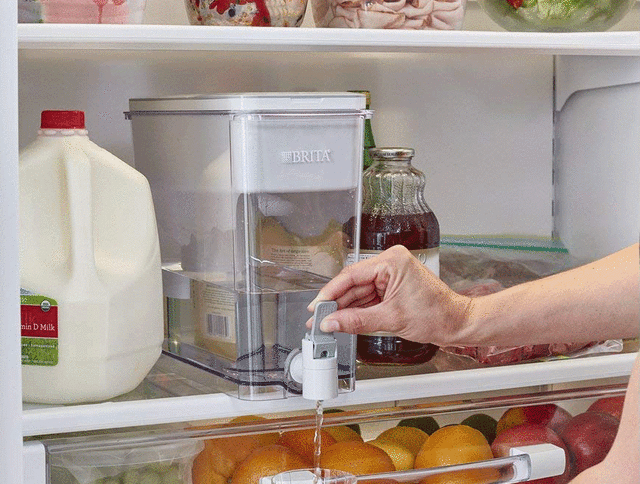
215 312
39 329
430 258
316 259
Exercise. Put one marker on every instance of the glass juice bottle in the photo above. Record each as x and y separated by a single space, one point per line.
394 212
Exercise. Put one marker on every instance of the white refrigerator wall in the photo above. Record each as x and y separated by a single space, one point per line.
597 154
483 141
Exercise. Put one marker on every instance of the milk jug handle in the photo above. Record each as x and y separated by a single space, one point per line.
79 193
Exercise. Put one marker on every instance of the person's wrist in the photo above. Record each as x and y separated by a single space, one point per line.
456 327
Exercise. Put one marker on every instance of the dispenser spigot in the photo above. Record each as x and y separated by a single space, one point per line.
316 367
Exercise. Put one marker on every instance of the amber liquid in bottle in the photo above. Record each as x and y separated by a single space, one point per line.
415 232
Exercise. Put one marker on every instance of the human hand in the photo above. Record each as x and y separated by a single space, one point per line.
395 293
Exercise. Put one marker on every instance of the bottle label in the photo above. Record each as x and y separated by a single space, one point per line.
430 258
39 329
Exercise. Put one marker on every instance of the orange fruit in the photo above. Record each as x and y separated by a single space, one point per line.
221 456
402 457
267 461
456 444
342 433
203 473
411 438
303 442
357 458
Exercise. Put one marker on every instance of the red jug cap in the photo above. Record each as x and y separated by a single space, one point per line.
62 120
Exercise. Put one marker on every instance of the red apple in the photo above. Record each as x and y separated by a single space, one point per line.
610 405
588 437
548 414
529 434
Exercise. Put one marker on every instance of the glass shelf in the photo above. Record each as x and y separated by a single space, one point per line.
175 392
58 38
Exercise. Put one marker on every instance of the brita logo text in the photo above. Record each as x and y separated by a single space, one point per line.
306 156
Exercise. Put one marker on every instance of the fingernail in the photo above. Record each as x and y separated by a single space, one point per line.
329 325
312 304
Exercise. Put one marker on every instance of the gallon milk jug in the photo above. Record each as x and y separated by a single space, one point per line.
90 273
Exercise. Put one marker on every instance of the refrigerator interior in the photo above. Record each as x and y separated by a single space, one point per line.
486 126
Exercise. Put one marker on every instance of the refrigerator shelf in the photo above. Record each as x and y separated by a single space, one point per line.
153 403
58 38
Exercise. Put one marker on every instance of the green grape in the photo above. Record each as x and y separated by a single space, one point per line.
172 476
132 476
162 466
150 477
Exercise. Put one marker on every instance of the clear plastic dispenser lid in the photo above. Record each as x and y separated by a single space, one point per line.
250 102
62 120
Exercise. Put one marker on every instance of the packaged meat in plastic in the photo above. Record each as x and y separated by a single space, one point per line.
482 270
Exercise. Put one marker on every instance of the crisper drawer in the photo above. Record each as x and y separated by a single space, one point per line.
496 439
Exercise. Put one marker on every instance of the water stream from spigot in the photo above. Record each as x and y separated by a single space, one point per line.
317 440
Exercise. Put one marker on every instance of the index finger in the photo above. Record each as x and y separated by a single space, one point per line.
352 277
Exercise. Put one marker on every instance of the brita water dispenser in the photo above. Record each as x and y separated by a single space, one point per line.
256 196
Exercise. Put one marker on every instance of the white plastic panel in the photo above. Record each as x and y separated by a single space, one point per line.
577 73
35 465
598 166
10 372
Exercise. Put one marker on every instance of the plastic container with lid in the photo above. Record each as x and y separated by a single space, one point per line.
556 15
378 14
90 274
81 11
394 212
162 463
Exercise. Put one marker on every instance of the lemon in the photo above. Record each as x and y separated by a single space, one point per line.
357 458
409 437
342 433
402 457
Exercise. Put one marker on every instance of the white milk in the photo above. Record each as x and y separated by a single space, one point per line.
90 273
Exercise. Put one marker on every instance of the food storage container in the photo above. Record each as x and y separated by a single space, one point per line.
259 13
103 462
507 436
415 15
557 15
81 11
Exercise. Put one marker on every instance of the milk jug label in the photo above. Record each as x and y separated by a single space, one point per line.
39 329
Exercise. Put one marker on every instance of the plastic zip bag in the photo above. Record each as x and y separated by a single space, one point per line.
477 267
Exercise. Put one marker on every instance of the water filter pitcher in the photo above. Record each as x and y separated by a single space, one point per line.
255 198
